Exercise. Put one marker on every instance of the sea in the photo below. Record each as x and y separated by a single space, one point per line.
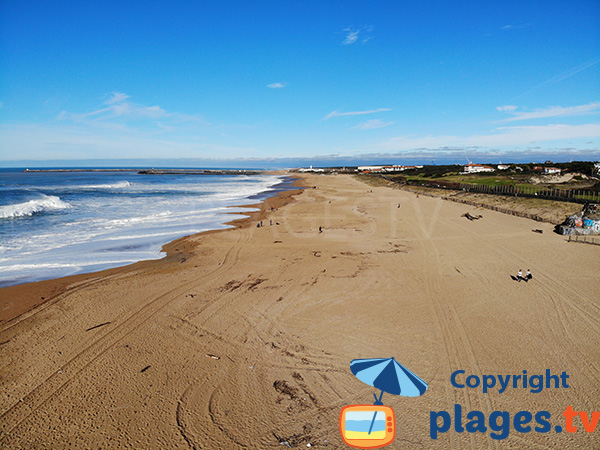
54 224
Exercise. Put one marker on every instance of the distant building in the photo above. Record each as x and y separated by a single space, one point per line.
389 168
411 167
368 168
503 166
551 170
393 168
475 168
310 169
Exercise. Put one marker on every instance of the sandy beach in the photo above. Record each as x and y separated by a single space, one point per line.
242 338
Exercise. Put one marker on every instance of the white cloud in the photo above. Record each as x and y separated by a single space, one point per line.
373 124
506 108
354 113
277 85
117 97
125 111
500 137
563 76
351 37
354 35
552 111
514 27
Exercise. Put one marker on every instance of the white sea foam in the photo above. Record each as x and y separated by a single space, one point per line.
37 266
130 223
88 187
119 185
43 203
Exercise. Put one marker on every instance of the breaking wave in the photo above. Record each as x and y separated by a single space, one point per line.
119 185
38 205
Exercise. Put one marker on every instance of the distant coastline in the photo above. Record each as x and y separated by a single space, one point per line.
81 170
157 171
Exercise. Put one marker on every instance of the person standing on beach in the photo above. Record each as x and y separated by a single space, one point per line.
528 275
520 275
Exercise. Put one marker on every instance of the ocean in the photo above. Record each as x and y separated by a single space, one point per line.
54 224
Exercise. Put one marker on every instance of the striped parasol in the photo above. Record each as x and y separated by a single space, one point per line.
388 375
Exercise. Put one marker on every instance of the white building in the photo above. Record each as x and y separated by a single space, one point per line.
503 166
369 168
310 169
551 170
474 168
392 168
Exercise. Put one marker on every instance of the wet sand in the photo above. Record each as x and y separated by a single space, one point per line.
243 338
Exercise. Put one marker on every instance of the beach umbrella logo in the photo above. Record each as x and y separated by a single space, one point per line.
373 426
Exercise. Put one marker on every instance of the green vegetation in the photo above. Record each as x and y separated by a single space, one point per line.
517 175
521 179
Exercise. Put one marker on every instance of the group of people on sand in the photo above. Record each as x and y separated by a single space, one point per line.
260 224
525 278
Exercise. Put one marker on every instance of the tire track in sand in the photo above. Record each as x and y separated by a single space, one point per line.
450 326
55 383
558 290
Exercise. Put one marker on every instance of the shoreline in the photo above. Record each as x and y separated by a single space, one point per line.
35 294
243 339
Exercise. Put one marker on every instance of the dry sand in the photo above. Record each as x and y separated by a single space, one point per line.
243 338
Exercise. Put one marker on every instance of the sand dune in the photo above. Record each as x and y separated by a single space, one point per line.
243 338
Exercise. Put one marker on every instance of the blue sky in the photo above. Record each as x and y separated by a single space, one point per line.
403 80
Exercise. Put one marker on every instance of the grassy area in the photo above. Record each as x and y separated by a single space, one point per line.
498 180
373 180
490 181
589 197
480 180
